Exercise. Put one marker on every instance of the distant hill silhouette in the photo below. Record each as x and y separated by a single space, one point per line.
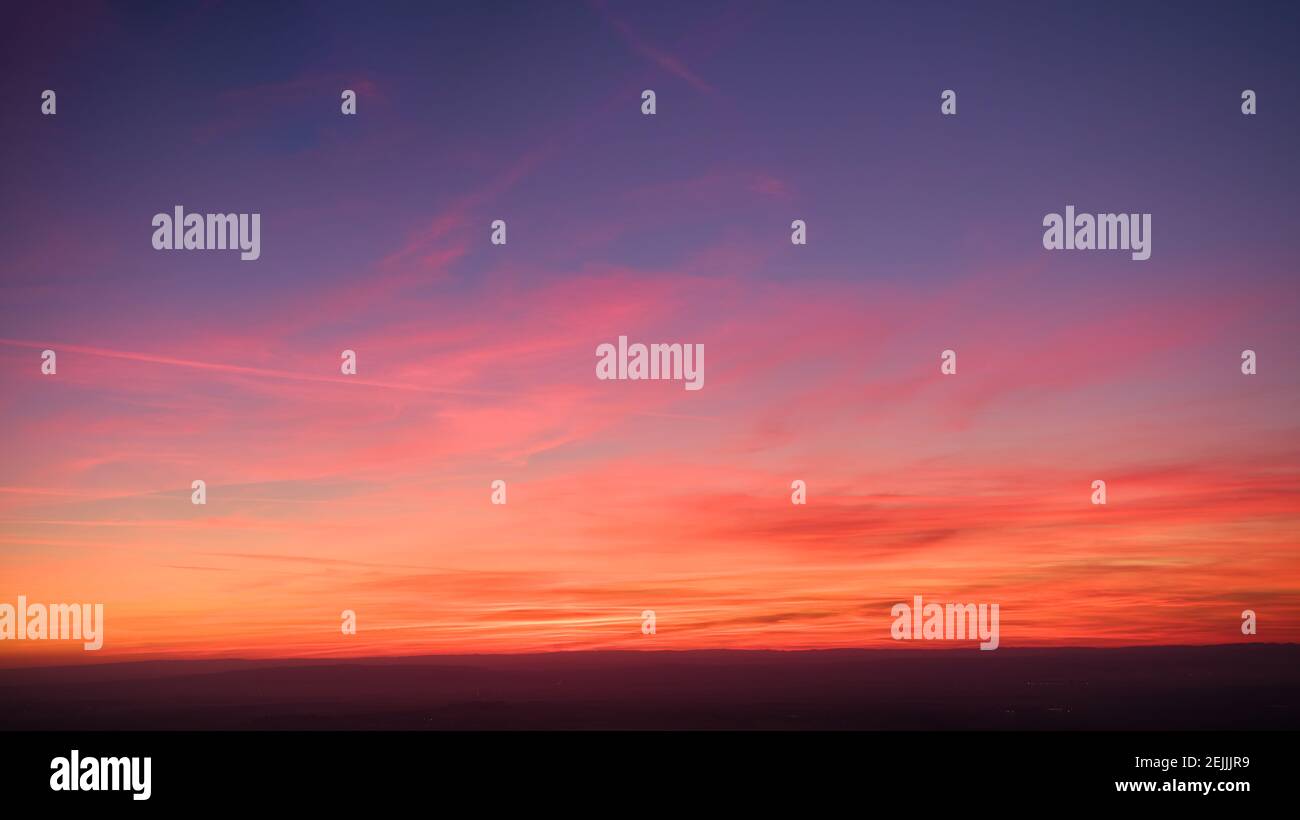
1216 687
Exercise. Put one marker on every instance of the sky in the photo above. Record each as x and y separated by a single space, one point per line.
370 492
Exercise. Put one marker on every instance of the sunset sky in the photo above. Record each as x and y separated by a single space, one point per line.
476 362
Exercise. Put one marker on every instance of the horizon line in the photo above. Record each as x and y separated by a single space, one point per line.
964 650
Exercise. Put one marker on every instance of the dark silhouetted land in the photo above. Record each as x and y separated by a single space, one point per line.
1219 687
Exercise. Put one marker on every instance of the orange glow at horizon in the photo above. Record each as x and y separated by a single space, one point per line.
326 494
